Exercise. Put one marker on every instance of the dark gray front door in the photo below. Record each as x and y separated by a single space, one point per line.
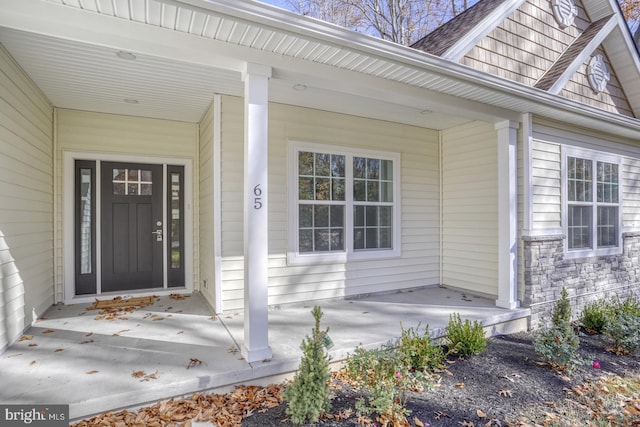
131 226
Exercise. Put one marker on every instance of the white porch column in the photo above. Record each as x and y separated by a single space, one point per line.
507 214
256 316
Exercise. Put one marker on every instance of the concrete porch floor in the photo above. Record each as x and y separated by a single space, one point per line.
88 363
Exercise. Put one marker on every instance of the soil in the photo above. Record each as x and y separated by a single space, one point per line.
496 388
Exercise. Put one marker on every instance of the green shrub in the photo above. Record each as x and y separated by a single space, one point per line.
594 316
629 306
558 344
465 339
383 377
561 313
417 351
308 395
624 330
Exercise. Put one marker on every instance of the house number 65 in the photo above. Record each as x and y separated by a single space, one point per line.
257 201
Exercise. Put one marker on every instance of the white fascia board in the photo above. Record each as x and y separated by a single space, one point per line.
488 24
562 81
531 99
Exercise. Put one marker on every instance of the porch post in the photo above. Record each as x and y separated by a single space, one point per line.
507 214
256 316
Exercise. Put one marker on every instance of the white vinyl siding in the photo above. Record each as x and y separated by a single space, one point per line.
418 265
545 180
470 208
206 214
81 131
26 201
630 180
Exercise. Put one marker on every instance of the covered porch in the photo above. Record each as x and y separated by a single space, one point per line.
178 346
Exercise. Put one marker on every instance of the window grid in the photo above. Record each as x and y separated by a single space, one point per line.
132 182
321 194
332 187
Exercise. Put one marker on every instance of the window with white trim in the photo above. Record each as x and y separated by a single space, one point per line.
344 204
592 203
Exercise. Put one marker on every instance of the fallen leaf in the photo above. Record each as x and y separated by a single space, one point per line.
33 362
459 385
440 414
92 372
138 374
233 349
58 350
481 414
26 338
180 332
33 344
88 334
466 424
86 341
153 376
48 331
505 393
193 362
417 422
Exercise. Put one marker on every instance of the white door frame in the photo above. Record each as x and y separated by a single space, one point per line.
69 158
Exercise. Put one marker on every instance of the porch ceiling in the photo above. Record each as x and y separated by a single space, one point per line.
88 74
187 50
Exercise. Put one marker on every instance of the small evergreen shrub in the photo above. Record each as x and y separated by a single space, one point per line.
307 396
624 330
465 339
594 316
558 344
417 351
561 312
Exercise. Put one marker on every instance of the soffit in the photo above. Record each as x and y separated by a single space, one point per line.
300 47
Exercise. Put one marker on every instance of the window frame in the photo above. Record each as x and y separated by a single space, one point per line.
594 157
294 256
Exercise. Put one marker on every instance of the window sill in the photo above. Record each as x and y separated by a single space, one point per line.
592 253
294 258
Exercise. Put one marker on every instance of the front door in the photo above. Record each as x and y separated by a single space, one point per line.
131 226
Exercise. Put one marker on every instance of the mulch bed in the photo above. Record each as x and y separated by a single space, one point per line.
507 385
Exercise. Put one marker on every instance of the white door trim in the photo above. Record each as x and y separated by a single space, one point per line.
69 158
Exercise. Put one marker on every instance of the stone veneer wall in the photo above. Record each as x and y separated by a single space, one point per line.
546 272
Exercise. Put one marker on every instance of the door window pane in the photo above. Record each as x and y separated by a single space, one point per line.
86 221
174 220
132 182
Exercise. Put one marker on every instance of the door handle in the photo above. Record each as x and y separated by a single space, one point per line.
158 234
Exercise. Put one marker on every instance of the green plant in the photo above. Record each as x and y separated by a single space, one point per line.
624 330
561 313
629 306
465 338
383 377
417 351
308 395
558 344
594 316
